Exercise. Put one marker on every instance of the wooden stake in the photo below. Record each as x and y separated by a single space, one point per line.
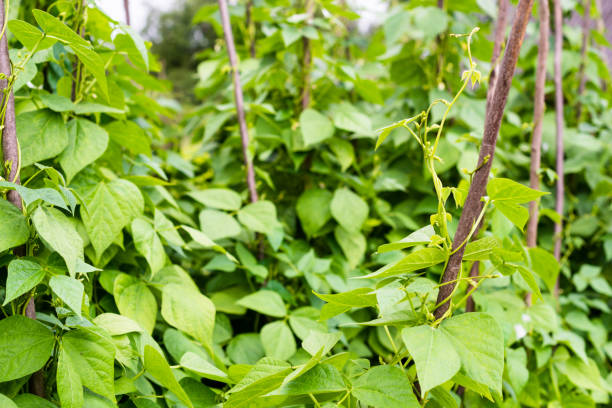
586 31
485 157
10 152
498 40
244 132
560 124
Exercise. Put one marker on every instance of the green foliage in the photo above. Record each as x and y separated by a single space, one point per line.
158 284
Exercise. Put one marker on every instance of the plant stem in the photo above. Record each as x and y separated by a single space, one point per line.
244 133
586 31
559 121
493 120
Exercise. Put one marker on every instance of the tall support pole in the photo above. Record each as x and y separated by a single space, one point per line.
244 132
493 120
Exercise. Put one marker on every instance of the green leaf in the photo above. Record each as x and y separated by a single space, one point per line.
57 103
92 354
344 151
322 378
32 195
130 136
318 342
530 280
313 209
584 375
6 402
60 235
434 355
116 325
385 387
158 367
14 230
69 290
245 348
480 249
86 143
139 45
278 341
218 225
167 230
193 362
220 198
503 189
23 275
69 385
472 385
347 117
383 133
419 259
56 29
516 368
32 401
349 209
421 236
25 347
148 244
479 342
29 35
203 240
42 135
267 375
353 244
189 311
514 212
266 302
110 207
314 127
136 301
360 297
545 265
259 216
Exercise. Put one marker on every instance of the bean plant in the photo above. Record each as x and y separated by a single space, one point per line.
140 271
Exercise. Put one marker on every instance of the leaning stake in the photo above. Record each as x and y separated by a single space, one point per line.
559 116
500 34
586 31
487 150
244 133
538 114
10 151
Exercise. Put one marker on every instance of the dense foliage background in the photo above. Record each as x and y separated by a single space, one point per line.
158 281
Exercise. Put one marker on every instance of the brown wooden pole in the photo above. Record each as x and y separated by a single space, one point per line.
10 152
536 140
126 7
498 40
238 97
307 59
586 31
560 195
485 157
